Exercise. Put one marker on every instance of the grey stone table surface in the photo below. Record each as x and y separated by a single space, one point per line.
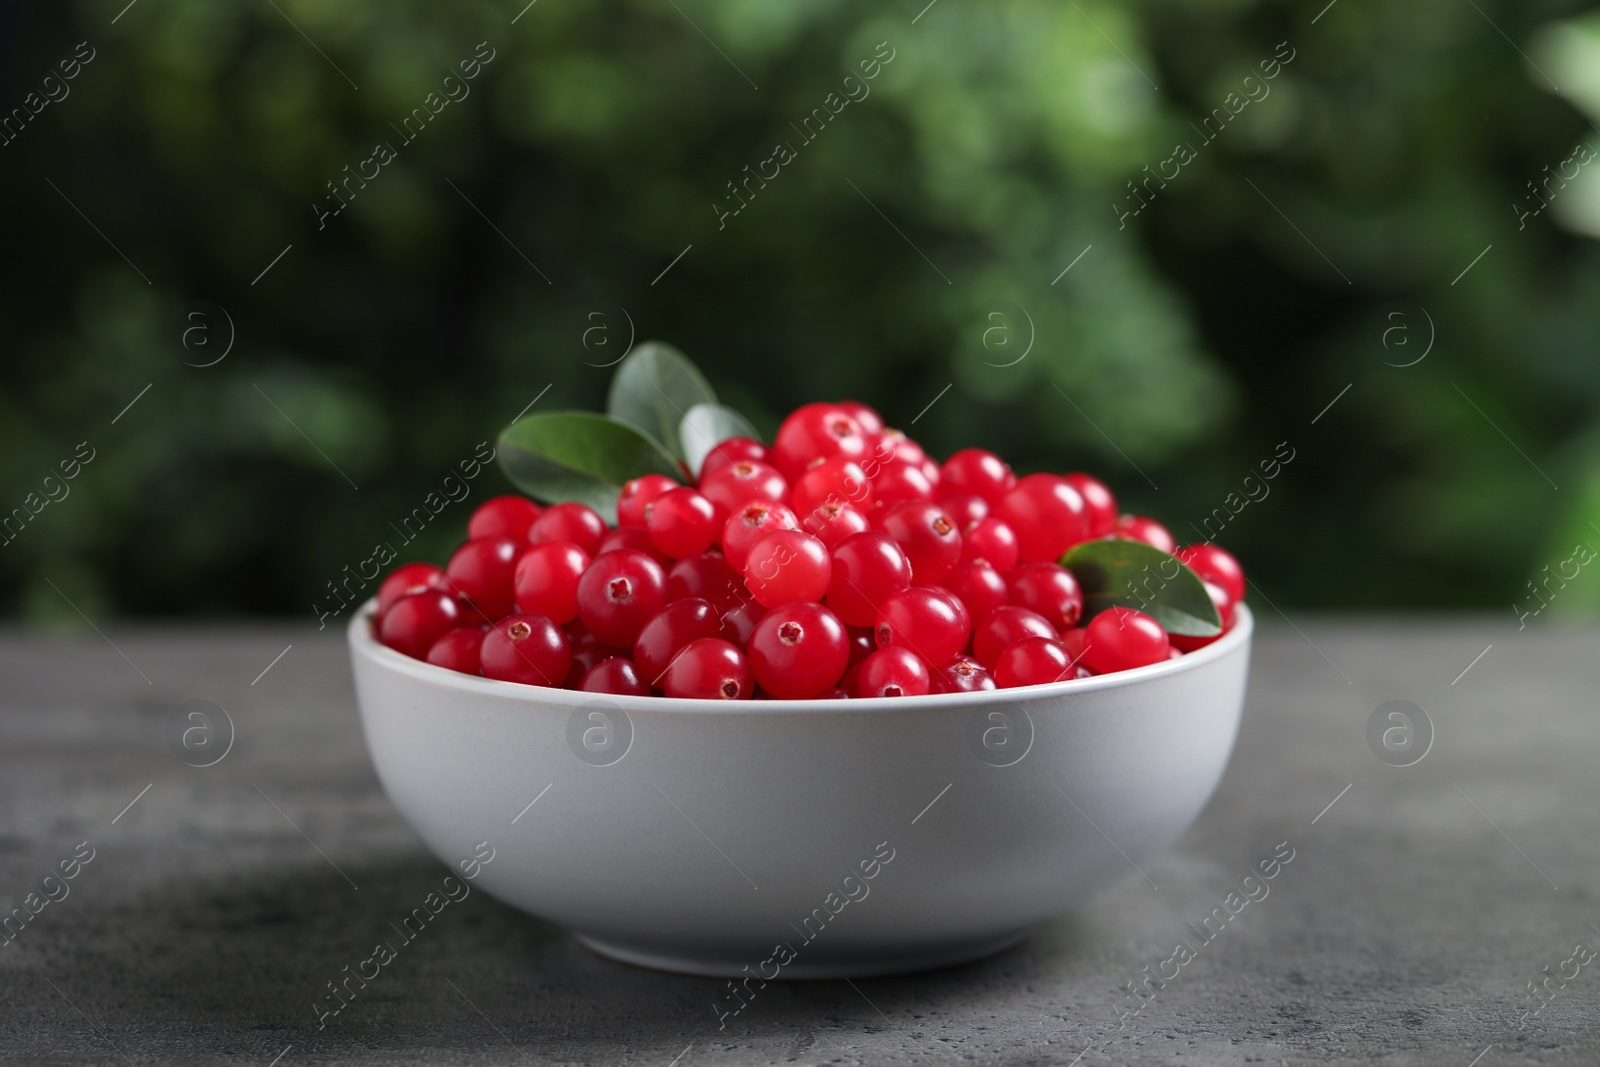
1417 911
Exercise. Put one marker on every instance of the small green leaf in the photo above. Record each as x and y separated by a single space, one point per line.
558 456
654 388
1135 575
708 425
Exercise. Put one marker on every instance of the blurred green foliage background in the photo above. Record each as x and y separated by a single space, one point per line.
520 239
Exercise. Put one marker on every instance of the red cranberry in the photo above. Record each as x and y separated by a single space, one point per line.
619 593
1120 639
1098 502
929 621
708 576
1003 628
637 494
668 631
733 485
614 675
839 480
1214 564
787 565
739 621
815 431
1032 661
751 522
991 540
963 675
635 537
892 672
503 516
867 569
526 648
546 580
832 523
732 451
973 470
978 586
893 446
1072 641
896 482
571 521
409 578
587 651
966 508
1046 514
862 643
1050 589
708 668
928 535
1143 528
870 421
482 572
798 650
682 522
415 621
457 649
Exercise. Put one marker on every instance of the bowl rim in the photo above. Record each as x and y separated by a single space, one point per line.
364 644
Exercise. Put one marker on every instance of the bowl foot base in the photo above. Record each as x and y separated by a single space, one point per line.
866 966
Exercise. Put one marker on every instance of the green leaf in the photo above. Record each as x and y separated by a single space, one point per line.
654 388
707 426
558 456
1139 576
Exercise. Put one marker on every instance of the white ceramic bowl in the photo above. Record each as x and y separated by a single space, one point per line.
800 839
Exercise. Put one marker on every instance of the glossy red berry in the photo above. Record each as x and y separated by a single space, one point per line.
896 482
1046 514
1032 661
668 631
895 671
798 650
868 419
1120 639
614 675
415 621
526 648
636 495
992 540
708 668
1215 564
978 586
587 651
787 565
571 521
839 480
862 643
928 620
1073 642
503 516
482 572
682 522
928 535
868 568
739 621
1143 528
893 446
635 537
1099 504
751 522
1004 627
815 431
733 485
708 576
619 593
973 470
1048 588
546 580
966 508
409 578
832 523
731 451
457 649
963 675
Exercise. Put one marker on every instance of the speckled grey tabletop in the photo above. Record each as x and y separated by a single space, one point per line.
203 922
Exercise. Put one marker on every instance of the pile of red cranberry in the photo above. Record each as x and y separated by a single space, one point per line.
839 562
